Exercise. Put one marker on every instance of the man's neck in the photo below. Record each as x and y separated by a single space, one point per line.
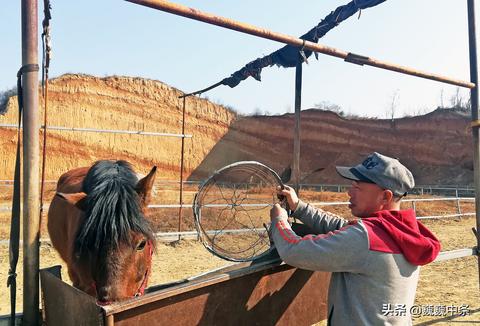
394 206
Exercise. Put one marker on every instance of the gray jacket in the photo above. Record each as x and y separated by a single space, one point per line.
374 261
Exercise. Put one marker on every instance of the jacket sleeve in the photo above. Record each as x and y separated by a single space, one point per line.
343 250
317 219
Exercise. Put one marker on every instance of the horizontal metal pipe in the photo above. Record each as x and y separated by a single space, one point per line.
444 216
313 185
195 14
109 131
458 253
333 203
439 199
166 236
339 203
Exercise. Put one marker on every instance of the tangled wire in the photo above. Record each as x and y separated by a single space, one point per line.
232 207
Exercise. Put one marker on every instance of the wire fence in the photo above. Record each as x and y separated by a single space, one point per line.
171 186
107 131
446 190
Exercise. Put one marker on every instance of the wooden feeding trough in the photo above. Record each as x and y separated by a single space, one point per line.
265 292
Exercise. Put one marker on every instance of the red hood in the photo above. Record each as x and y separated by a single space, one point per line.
390 231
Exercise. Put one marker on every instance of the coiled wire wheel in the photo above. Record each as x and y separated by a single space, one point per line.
232 207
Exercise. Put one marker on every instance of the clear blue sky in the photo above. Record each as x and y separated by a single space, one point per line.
116 37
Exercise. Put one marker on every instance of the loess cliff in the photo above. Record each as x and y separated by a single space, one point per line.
437 147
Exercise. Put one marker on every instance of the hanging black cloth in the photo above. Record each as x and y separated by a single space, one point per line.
288 55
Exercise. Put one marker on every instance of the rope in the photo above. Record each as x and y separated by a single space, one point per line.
202 90
15 223
45 67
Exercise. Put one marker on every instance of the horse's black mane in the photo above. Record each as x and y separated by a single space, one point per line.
112 208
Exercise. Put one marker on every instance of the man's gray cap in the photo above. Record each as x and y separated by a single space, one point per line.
386 172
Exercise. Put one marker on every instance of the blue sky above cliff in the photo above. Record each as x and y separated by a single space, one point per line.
117 37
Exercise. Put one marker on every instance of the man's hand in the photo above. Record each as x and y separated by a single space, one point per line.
291 196
277 211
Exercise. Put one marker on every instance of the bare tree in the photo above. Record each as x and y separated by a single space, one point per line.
4 97
442 105
393 105
328 106
459 103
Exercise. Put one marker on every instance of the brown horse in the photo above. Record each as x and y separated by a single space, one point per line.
96 221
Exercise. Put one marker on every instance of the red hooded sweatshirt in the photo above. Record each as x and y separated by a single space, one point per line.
401 232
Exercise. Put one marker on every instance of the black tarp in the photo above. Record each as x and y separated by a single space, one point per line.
288 55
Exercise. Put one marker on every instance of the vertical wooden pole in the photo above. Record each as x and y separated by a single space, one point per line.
296 134
474 106
31 150
181 172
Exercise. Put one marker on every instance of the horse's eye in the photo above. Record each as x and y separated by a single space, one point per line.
141 245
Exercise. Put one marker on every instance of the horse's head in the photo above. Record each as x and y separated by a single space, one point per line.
114 244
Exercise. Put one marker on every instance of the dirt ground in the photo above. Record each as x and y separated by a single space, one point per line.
449 283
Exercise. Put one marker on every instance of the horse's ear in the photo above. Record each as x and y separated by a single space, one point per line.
145 185
76 199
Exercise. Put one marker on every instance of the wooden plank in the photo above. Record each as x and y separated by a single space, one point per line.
282 295
263 292
66 305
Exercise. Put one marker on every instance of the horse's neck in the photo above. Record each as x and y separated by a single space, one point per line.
72 181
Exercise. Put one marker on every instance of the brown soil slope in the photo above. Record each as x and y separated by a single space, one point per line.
126 104
436 146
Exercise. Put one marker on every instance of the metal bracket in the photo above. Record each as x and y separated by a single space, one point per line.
475 124
476 234
356 59
477 249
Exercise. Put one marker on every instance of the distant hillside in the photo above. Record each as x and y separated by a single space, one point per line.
120 103
437 146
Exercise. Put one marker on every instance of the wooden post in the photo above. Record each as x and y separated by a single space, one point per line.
180 210
31 150
474 107
296 134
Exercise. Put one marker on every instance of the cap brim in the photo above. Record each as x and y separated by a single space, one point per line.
345 172
351 173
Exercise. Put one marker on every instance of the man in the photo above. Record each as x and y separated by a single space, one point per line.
375 260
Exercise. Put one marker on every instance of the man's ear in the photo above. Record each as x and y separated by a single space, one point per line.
144 187
76 199
387 196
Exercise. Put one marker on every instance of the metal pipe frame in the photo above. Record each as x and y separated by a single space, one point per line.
196 14
31 119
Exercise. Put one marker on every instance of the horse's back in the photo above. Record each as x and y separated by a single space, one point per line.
64 218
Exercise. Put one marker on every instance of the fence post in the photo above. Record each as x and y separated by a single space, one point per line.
475 113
